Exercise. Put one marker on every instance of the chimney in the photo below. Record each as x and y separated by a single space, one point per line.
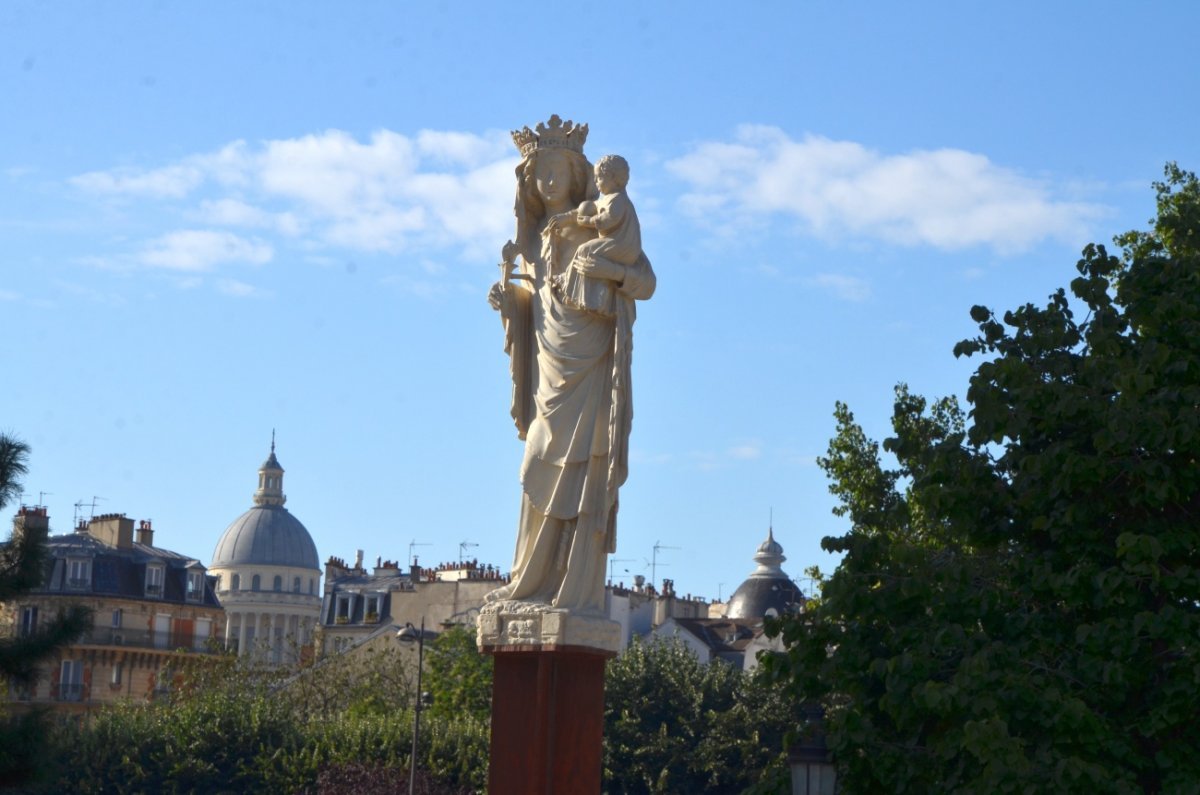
112 529
358 559
145 534
414 573
31 519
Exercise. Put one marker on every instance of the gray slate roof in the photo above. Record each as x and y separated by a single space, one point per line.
266 535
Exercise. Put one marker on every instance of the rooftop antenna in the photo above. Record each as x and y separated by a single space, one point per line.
654 562
612 561
79 506
720 585
42 495
415 543
462 550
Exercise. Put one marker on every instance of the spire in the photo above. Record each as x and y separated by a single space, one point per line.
270 480
769 557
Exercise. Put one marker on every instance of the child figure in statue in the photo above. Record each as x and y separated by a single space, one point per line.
590 281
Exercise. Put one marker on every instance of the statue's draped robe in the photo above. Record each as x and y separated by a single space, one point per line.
572 406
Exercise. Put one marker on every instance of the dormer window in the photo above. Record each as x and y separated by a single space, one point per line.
154 580
79 573
195 586
371 615
345 608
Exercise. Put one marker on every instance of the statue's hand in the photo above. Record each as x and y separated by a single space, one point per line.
557 222
495 294
509 252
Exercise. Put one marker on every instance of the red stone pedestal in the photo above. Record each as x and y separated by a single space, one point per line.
547 720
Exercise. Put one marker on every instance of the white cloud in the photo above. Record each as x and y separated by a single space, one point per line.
201 249
235 212
387 193
9 295
945 198
172 182
746 451
239 289
848 288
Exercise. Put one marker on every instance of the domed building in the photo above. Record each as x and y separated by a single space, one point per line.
767 591
267 575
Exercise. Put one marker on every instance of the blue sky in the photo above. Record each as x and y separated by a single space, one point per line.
221 218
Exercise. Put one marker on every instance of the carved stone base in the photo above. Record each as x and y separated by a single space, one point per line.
526 626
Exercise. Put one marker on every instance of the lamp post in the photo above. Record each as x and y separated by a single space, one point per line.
407 634
813 772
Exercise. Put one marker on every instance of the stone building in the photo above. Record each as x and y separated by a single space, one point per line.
359 604
267 574
737 636
148 603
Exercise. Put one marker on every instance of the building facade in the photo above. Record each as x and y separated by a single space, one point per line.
736 635
149 606
267 576
359 603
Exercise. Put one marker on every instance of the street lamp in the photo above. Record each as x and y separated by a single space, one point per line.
407 634
813 772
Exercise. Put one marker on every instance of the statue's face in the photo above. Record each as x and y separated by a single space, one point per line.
552 174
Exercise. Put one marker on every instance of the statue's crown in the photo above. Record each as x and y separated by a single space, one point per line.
554 134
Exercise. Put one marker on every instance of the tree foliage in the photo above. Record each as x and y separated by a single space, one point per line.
458 677
230 727
1018 605
673 724
23 561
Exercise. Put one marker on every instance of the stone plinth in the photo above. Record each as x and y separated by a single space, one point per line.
547 698
524 626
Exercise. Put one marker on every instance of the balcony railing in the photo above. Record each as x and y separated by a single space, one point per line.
143 639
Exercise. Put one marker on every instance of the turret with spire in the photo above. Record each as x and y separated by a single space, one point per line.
270 480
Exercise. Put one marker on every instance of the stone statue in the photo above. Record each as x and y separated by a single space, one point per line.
568 313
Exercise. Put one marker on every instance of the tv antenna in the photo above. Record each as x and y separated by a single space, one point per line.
42 495
79 506
611 562
415 543
462 550
654 561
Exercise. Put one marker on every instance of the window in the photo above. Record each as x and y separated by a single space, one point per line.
28 621
70 681
296 585
278 583
203 632
236 584
162 631
255 583
344 609
162 681
312 586
118 671
372 612
80 573
195 586
116 618
154 580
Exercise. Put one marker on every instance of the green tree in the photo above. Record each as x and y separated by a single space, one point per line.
673 724
1018 606
458 677
23 560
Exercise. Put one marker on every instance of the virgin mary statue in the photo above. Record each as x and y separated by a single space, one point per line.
571 399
